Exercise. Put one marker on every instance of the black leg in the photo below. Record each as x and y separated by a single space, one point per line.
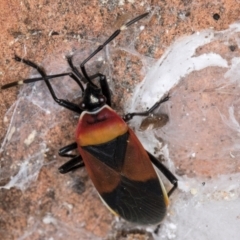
72 164
63 151
165 172
61 102
114 35
75 70
129 116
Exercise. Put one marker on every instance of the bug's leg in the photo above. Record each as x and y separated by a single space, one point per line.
75 70
63 152
62 102
129 116
165 172
114 35
72 164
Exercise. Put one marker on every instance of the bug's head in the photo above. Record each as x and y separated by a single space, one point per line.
93 98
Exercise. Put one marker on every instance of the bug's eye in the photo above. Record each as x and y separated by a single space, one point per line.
82 105
101 99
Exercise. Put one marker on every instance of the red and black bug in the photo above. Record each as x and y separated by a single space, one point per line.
120 168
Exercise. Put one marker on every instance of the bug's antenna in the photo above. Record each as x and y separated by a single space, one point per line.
31 80
114 35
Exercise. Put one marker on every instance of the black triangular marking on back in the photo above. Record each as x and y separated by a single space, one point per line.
111 153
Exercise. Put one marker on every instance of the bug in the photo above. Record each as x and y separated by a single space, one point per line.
120 168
